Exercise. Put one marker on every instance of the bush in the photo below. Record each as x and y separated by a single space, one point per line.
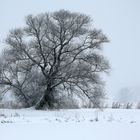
138 105
128 105
116 105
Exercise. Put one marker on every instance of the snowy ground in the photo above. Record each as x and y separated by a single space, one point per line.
83 124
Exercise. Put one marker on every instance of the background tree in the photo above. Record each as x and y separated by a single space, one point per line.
66 49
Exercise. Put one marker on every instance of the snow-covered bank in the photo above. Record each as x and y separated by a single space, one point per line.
77 115
81 124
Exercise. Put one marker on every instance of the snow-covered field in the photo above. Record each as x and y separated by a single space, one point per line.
82 124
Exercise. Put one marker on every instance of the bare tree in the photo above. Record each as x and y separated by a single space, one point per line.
66 48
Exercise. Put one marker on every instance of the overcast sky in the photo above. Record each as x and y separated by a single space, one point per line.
119 20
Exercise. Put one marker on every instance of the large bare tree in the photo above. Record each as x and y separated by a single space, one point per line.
66 49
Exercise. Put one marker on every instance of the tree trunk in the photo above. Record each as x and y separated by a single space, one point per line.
46 100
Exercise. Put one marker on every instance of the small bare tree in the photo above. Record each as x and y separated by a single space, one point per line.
65 48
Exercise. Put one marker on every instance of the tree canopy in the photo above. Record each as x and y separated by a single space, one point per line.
63 50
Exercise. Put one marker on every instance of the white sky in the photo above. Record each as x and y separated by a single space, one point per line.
119 20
